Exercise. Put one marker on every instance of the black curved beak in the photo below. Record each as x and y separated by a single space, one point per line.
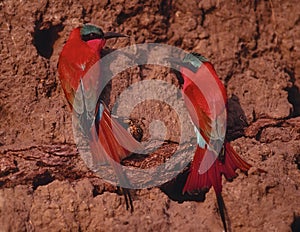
110 35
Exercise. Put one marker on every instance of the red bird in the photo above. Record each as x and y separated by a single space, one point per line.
206 100
81 51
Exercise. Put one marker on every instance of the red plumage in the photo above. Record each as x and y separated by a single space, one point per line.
77 65
75 55
206 101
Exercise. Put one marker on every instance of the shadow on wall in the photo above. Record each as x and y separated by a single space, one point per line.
173 189
295 226
293 93
236 119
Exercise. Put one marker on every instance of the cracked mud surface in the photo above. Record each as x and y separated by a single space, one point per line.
254 46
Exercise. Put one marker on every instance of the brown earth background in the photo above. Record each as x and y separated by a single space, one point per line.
254 45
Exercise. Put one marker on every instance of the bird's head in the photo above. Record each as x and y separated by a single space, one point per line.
95 37
191 62
90 32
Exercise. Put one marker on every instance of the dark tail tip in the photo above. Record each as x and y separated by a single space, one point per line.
222 210
128 200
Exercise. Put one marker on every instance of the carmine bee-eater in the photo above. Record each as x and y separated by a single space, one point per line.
81 51
206 100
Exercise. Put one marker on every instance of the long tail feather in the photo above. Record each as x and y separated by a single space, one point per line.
107 146
222 209
199 181
128 199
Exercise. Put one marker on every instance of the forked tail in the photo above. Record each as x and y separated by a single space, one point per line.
225 165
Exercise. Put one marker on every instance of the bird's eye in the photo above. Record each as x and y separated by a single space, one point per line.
91 36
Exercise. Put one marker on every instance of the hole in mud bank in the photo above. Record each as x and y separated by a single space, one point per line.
2 183
294 99
236 119
293 93
44 37
97 190
42 179
295 226
122 17
165 9
297 160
